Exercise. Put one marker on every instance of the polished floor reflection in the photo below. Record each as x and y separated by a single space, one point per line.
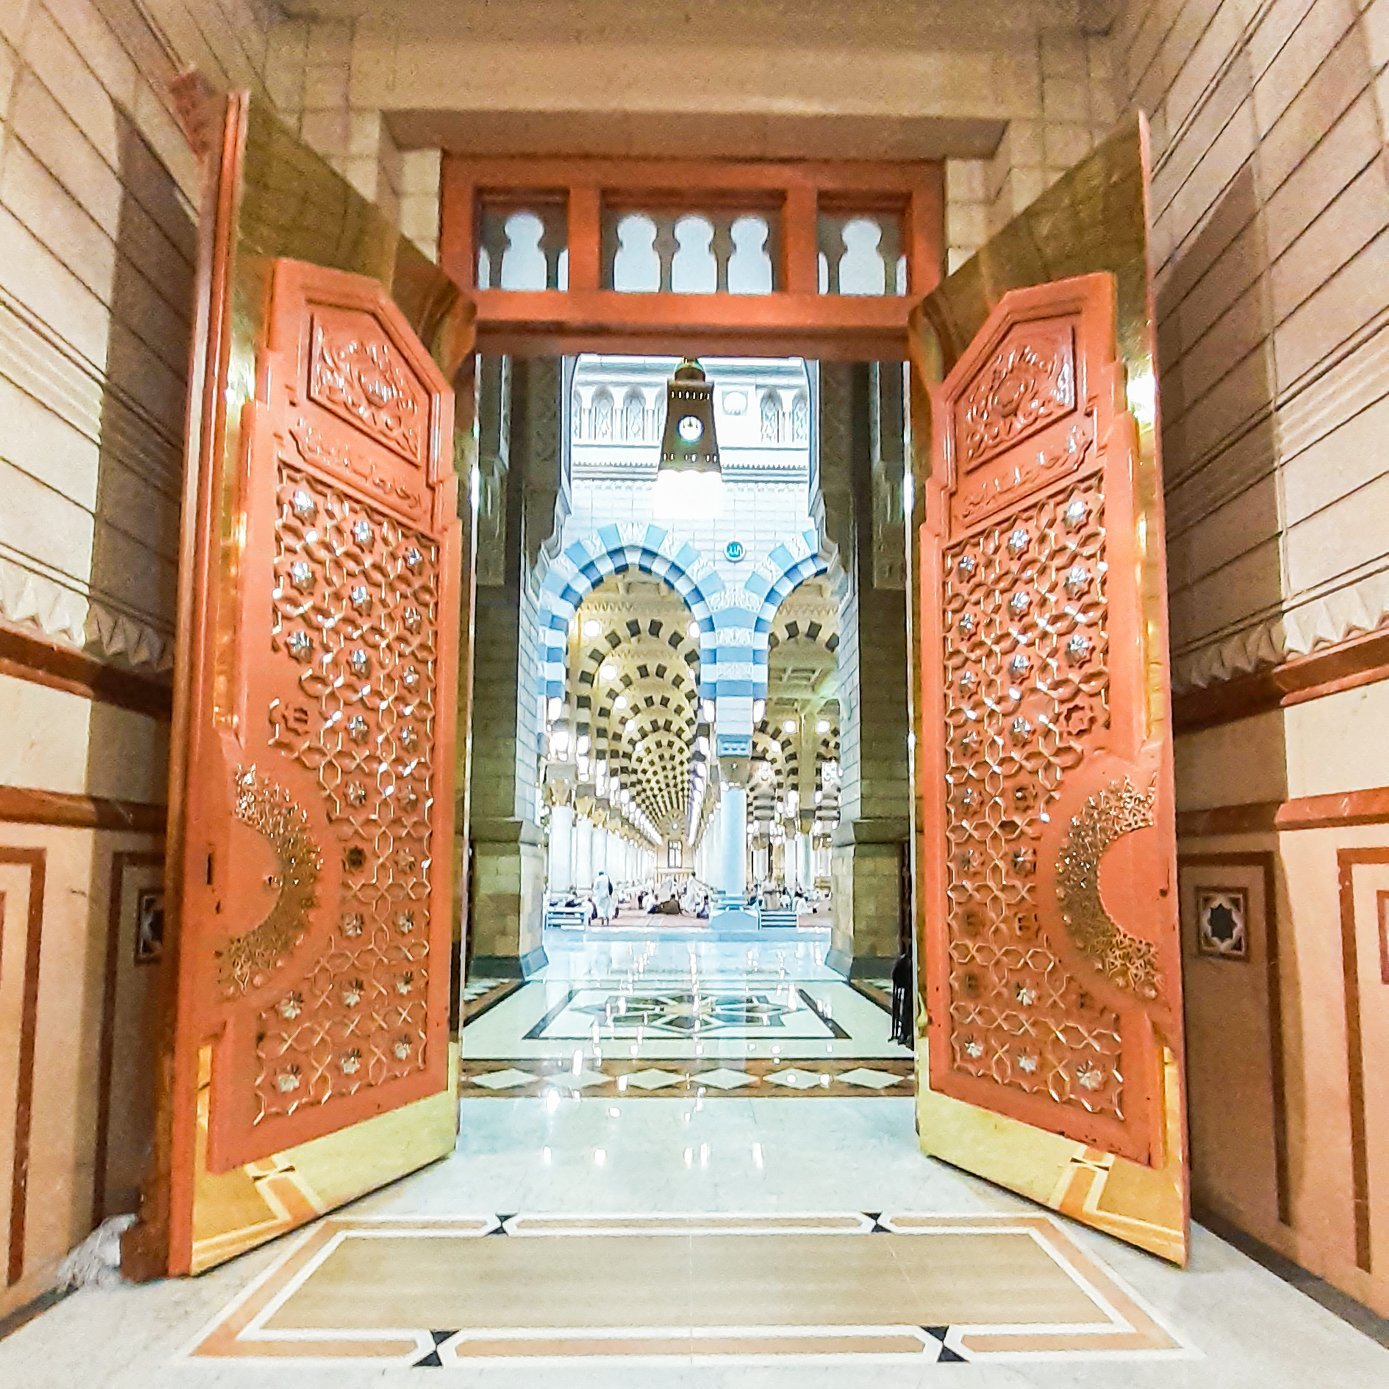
682 1014
709 1237
584 1188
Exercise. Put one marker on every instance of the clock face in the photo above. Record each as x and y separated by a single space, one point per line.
689 428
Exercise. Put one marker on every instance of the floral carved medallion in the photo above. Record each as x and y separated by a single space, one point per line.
356 372
1029 382
246 961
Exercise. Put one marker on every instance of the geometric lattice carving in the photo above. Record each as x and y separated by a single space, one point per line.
355 604
1026 681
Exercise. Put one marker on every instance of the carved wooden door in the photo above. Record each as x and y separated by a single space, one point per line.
1050 948
312 829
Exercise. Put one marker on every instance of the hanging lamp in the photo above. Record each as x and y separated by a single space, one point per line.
689 442
689 479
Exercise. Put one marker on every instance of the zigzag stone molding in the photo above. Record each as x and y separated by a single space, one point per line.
1352 611
74 619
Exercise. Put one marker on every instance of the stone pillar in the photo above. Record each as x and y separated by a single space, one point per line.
791 858
805 868
583 853
861 463
561 861
733 841
519 489
600 840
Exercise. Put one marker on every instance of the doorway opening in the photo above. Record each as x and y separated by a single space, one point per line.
678 752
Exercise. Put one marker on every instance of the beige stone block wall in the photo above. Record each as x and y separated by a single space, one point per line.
911 79
1271 206
1074 104
98 195
318 73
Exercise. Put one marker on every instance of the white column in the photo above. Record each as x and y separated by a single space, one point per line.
561 861
733 842
583 854
806 869
791 863
600 851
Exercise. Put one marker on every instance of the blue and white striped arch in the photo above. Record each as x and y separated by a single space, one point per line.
734 622
791 563
585 563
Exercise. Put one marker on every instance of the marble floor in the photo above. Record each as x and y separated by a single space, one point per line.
692 1014
738 1239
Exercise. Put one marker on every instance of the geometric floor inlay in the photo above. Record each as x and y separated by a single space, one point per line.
606 1015
460 1292
605 1078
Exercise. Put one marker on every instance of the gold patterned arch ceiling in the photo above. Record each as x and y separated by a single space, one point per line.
633 687
803 646
802 691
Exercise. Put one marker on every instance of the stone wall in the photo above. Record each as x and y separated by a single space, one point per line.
519 453
1271 202
861 431
97 244
317 84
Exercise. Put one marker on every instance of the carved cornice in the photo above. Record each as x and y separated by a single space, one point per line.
1360 660
1321 621
38 603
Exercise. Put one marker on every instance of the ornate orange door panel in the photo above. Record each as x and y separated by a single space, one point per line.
1052 947
312 811
329 940
1045 845
1049 950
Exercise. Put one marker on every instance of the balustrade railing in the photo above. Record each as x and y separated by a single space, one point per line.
861 253
654 252
523 247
